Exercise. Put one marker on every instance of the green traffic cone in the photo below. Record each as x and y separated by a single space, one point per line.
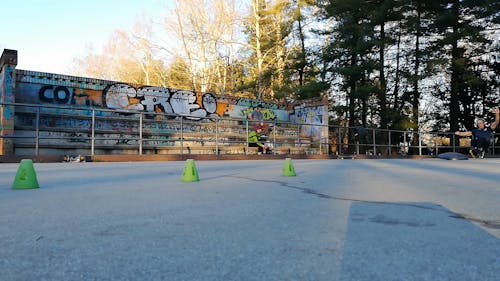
190 174
25 176
288 169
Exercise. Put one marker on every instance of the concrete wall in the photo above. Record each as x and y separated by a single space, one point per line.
8 62
109 97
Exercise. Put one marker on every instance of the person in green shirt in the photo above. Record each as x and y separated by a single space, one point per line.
254 139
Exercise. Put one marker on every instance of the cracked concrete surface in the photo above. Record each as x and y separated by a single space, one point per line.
423 219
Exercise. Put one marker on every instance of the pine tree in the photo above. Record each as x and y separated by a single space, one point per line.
349 53
463 42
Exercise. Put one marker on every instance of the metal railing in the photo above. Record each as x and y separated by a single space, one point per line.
404 142
72 130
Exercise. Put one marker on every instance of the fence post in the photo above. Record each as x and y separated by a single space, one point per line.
217 136
320 139
327 141
374 143
37 131
140 133
404 142
92 129
246 138
298 134
182 136
274 134
390 146
453 137
494 141
436 144
419 143
339 152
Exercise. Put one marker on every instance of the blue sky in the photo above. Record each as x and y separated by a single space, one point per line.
48 34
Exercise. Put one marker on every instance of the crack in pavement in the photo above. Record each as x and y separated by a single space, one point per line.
492 224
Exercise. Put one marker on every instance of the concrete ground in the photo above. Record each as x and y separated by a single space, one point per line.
425 219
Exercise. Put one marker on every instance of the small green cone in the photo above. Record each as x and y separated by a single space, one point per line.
25 176
190 173
288 169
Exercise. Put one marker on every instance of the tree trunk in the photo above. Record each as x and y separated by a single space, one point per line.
397 77
258 50
416 71
302 39
352 87
455 73
383 83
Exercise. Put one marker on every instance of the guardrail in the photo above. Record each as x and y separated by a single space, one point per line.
102 131
374 141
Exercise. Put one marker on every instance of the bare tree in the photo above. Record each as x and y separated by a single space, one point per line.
268 29
205 29
127 57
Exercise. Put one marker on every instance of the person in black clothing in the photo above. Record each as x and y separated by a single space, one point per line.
481 136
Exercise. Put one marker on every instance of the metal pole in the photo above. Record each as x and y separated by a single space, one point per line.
436 144
247 133
419 144
390 146
328 140
92 139
298 134
274 135
217 136
404 142
453 138
140 134
493 145
374 143
37 131
182 136
320 139
340 142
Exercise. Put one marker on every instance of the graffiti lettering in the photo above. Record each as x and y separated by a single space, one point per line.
156 98
310 115
266 113
82 99
253 103
9 94
151 100
121 96
209 103
183 103
59 94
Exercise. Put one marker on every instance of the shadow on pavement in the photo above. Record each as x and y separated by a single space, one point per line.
405 242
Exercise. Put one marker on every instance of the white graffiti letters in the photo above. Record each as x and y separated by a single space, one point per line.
209 103
184 103
117 97
157 99
156 96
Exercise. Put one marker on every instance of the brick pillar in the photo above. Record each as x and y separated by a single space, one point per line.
8 62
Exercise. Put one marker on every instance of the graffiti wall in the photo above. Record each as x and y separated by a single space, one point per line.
45 88
69 101
313 115
6 111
